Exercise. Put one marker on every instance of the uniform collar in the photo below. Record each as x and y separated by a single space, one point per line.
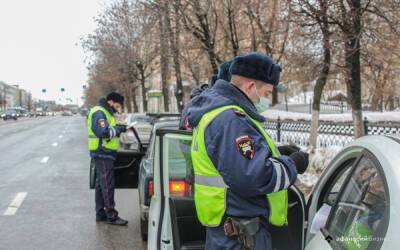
236 95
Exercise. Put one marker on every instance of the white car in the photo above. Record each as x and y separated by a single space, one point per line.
143 126
354 204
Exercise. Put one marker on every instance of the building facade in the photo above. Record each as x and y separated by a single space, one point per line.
12 96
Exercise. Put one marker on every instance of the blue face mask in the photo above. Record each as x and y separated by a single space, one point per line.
261 105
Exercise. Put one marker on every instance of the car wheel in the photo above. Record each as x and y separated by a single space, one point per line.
92 175
143 229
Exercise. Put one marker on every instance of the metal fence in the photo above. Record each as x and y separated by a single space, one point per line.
329 133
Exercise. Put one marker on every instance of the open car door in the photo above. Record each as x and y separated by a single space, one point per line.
126 167
126 170
179 227
349 207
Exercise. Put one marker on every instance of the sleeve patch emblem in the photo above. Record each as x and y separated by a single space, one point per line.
245 146
102 123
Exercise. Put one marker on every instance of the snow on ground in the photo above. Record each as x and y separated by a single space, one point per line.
388 116
319 160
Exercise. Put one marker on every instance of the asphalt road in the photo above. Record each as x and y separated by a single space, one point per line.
45 200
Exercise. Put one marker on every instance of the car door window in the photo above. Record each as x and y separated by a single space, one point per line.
179 162
359 218
331 194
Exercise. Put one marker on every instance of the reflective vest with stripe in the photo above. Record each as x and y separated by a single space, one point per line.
210 188
93 140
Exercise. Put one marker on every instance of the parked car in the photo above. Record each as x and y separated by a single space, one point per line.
143 125
10 114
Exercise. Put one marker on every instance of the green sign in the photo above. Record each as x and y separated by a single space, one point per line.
154 94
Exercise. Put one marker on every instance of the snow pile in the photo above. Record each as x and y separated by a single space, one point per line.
319 160
389 116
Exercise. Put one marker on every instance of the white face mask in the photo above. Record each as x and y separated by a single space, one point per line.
262 104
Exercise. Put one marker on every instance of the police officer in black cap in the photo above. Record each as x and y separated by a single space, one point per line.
241 179
103 143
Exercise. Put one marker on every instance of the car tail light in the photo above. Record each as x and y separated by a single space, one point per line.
179 188
176 188
151 189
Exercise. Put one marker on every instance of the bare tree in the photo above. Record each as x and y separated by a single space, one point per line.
272 21
316 14
174 38
200 17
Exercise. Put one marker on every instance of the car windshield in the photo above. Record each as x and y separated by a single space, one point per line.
10 111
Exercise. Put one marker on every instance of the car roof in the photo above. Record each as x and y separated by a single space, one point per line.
166 123
137 114
386 149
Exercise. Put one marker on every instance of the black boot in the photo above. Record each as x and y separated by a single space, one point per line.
118 221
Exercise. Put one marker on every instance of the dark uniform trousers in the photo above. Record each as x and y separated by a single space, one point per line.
105 186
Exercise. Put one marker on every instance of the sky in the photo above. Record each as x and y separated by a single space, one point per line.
40 45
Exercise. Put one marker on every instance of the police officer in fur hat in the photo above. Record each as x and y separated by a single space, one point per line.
241 179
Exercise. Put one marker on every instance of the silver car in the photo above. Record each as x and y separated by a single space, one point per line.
143 126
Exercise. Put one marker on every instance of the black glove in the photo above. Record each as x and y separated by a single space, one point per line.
288 149
301 161
119 128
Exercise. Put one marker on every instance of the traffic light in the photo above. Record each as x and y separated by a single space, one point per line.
44 90
62 89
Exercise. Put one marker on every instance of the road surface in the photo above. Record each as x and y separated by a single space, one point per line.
45 201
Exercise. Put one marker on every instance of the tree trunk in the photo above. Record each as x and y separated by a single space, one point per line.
204 35
213 58
378 92
125 88
323 76
174 43
143 86
352 35
354 82
164 60
135 105
318 90
233 37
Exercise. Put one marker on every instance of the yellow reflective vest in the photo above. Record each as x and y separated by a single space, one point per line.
93 140
210 188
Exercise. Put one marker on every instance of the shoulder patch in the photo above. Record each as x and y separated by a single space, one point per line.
102 123
245 146
238 112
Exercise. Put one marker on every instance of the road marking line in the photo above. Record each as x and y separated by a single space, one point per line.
44 159
54 144
15 204
64 132
60 136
